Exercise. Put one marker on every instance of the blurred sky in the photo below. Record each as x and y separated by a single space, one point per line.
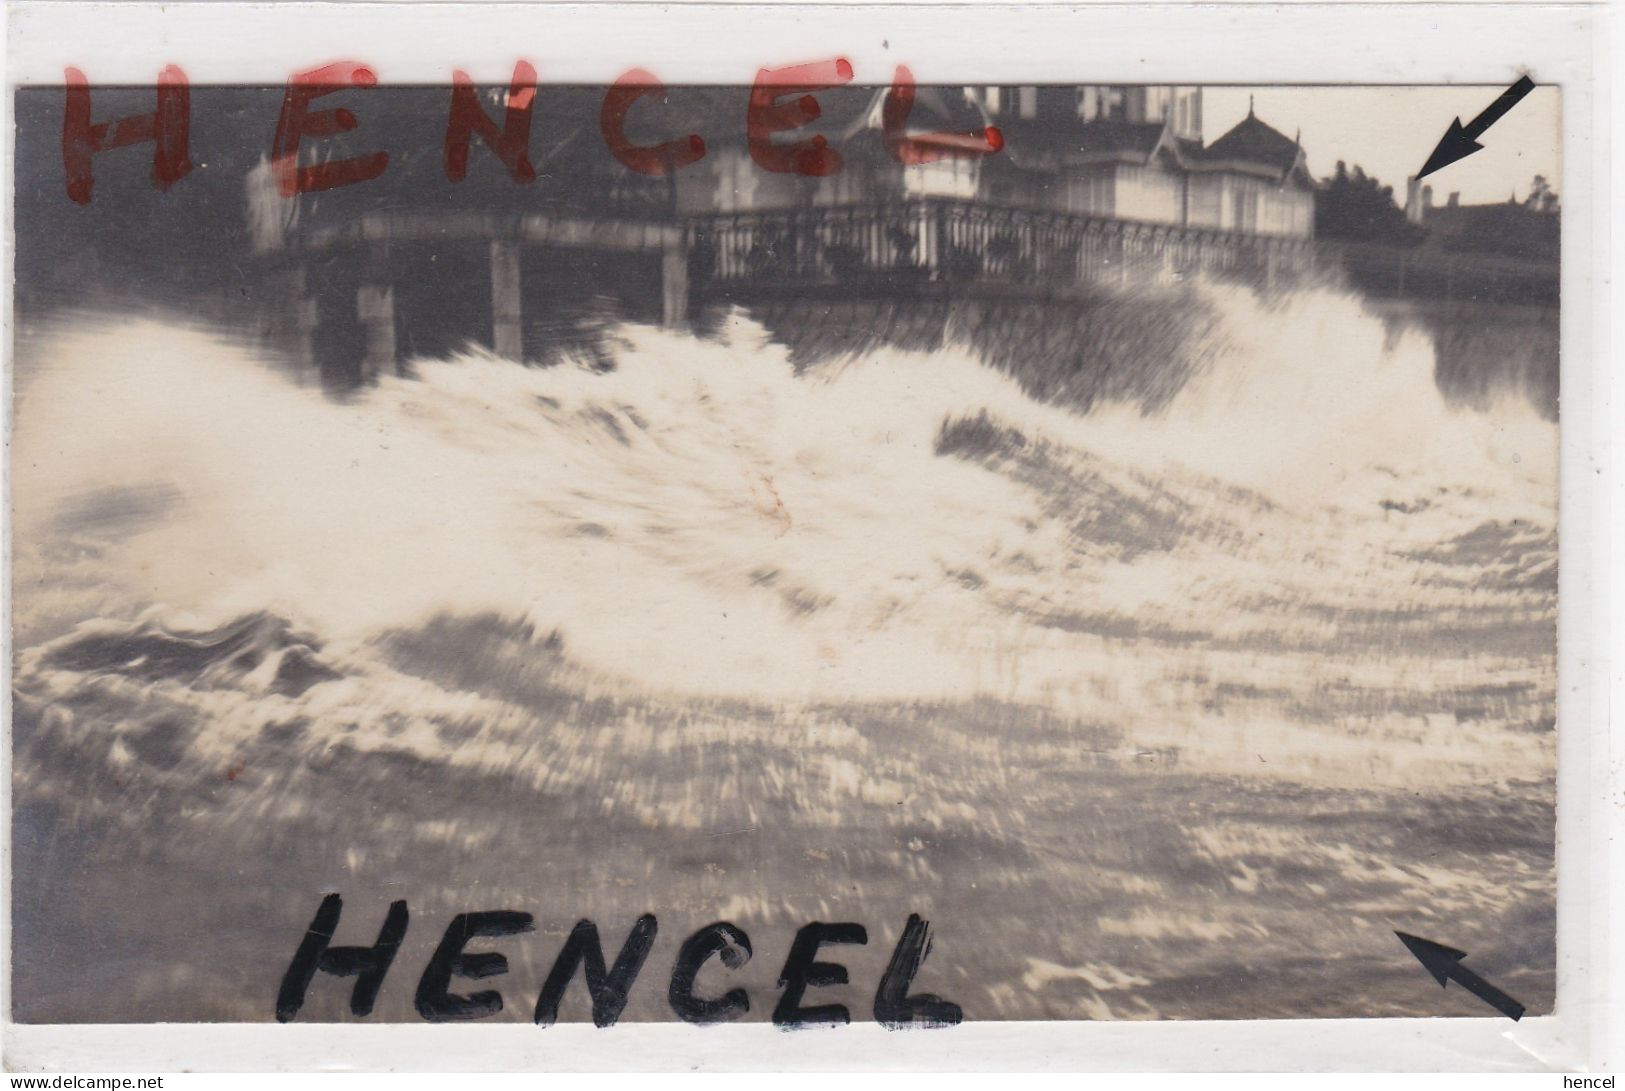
1390 131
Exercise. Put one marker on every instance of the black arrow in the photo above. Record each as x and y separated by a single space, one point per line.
1460 140
1444 963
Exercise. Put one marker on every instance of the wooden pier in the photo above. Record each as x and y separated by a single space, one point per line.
385 285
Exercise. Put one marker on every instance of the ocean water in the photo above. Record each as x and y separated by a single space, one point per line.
1171 714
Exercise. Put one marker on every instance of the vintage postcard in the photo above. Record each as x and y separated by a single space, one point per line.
830 546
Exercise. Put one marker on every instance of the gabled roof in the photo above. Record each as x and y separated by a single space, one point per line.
1049 143
718 113
1187 149
1252 147
848 114
1112 138
1253 143
933 111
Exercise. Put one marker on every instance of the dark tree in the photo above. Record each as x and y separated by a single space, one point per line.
1542 197
1356 206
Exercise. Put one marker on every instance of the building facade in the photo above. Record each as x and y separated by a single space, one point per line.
1087 186
1133 153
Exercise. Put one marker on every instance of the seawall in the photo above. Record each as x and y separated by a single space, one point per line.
1140 345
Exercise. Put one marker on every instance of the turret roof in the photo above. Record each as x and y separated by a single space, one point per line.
1252 141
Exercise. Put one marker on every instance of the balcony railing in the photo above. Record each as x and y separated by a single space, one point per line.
959 241
946 242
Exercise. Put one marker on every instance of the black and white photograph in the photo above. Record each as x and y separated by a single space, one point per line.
831 549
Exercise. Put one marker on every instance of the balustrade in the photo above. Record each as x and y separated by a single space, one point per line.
958 241
1046 251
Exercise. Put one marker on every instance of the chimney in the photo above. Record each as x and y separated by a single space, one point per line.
1453 201
1427 198
1413 200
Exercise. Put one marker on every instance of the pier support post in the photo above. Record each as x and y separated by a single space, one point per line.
507 307
291 325
375 309
674 283
306 313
